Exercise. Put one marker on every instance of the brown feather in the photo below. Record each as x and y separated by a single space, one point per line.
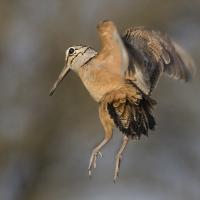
130 110
152 53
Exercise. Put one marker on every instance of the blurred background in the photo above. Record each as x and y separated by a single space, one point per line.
45 142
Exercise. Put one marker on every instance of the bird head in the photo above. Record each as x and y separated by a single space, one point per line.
75 58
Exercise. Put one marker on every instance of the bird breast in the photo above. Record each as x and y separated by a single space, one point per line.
99 81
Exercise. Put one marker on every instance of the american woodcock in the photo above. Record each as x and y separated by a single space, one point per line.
122 76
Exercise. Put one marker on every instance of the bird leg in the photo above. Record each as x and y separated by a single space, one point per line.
108 126
119 157
94 155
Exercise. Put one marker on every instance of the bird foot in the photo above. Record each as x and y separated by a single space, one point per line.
93 159
117 166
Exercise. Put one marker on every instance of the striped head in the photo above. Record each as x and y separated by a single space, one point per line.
75 58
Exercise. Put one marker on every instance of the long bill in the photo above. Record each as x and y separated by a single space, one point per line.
63 73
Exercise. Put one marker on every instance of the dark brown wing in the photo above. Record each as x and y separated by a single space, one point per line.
152 53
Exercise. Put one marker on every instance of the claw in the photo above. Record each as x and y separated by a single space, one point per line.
119 157
100 154
90 173
117 167
93 160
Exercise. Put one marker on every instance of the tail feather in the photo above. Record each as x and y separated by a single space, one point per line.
134 119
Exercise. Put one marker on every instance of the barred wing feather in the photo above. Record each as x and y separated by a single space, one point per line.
150 55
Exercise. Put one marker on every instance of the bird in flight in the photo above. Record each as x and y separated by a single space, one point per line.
121 78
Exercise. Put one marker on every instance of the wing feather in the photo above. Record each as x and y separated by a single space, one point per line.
150 55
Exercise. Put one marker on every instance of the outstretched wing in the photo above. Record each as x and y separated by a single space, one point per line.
152 53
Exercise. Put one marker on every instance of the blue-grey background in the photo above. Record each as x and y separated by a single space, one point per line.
45 142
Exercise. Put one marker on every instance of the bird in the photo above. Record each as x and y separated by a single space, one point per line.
121 77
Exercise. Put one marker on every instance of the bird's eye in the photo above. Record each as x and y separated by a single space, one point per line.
71 51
